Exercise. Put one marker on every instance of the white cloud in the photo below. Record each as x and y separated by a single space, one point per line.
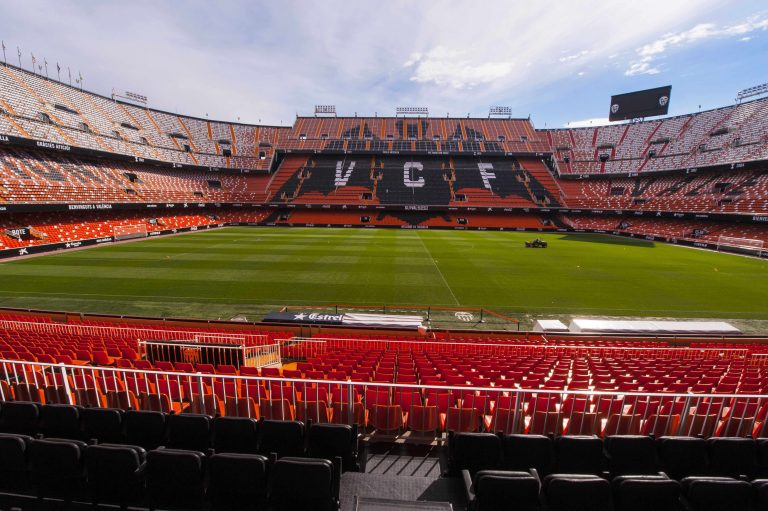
259 59
455 68
648 53
575 56
745 39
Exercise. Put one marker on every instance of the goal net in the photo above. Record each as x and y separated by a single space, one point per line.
745 245
129 232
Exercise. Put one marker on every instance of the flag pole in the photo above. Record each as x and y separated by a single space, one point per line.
46 66
4 60
18 51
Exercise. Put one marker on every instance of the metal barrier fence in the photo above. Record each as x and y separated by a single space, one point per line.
126 332
215 353
302 348
428 410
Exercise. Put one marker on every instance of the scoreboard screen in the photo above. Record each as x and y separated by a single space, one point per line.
644 103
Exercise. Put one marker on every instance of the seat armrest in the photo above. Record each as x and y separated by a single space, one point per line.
468 488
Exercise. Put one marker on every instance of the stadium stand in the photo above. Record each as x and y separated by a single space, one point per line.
733 134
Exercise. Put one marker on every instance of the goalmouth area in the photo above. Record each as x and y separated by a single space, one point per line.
249 272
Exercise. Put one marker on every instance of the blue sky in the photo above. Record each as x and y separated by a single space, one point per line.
558 61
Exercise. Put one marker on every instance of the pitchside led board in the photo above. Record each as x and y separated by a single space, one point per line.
640 104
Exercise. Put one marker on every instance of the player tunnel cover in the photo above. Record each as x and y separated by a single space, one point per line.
640 104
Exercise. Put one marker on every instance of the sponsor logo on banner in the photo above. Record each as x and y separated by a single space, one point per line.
304 317
464 316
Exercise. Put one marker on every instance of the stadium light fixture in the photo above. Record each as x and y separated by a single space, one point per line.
130 96
325 110
500 111
752 91
412 110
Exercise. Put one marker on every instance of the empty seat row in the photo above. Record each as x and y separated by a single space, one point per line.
499 490
677 457
71 471
198 432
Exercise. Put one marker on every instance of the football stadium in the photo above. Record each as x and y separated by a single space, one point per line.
397 309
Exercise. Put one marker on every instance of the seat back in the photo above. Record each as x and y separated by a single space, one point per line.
14 476
524 452
189 431
235 435
304 483
496 489
144 428
237 481
574 492
579 455
114 473
57 468
682 457
285 438
60 421
473 452
631 454
19 417
102 424
175 478
327 441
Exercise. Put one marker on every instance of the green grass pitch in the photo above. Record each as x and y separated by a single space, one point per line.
252 270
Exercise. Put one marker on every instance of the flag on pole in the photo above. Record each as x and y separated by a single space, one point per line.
34 61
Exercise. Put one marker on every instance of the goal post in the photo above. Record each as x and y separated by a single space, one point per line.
743 245
129 232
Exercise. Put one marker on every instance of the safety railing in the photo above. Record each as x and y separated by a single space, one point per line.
303 348
126 332
214 353
395 408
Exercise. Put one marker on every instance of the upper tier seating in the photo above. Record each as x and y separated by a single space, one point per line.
36 107
726 135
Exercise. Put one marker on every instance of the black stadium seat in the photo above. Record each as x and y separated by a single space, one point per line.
523 452
681 457
327 441
60 421
115 473
305 483
645 492
189 431
732 457
175 479
285 438
57 468
145 429
473 452
631 455
235 435
19 417
716 493
14 476
577 492
237 481
579 455
105 425
500 490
